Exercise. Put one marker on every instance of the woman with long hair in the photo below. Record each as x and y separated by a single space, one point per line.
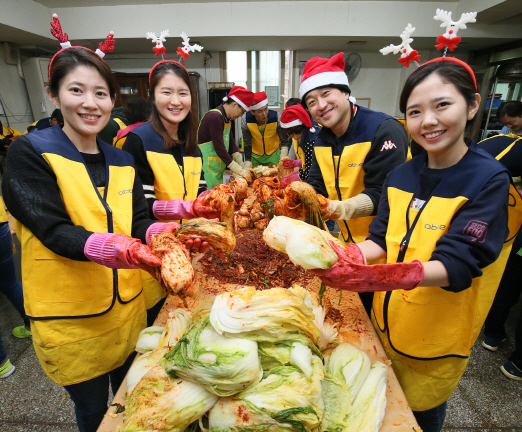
168 161
442 225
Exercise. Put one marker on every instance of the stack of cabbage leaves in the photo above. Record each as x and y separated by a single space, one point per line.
252 361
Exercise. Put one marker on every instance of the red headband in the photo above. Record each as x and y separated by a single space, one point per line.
62 50
454 60
165 61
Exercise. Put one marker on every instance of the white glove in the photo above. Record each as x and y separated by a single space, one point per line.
238 159
358 206
235 167
284 152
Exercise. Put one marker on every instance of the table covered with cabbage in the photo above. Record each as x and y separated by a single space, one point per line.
248 360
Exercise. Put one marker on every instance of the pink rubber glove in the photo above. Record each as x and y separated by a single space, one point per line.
351 273
173 209
290 178
119 251
192 245
201 208
159 227
292 163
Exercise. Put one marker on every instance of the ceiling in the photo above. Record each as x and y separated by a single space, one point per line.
83 3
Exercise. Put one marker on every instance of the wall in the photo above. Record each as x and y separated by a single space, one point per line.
378 79
143 63
14 97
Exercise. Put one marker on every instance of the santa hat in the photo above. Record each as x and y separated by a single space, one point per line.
241 95
295 115
260 100
320 72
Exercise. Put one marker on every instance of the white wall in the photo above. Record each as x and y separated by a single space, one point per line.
140 63
14 97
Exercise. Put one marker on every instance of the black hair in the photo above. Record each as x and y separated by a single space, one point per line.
342 87
287 132
138 110
292 101
509 108
188 126
229 101
57 114
449 72
69 59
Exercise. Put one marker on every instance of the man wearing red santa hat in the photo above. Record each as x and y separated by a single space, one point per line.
215 141
260 129
353 152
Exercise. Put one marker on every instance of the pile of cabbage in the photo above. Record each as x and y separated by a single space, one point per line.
252 361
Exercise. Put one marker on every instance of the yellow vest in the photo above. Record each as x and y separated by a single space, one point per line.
428 332
84 320
171 181
299 153
12 133
344 176
268 143
3 214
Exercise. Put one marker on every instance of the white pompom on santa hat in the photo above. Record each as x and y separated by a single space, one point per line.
320 72
241 95
260 100
295 115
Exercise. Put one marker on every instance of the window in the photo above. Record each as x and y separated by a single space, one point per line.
237 67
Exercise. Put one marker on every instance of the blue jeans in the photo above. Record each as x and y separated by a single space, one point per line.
9 285
91 397
433 419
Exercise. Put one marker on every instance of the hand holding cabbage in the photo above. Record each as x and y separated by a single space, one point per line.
337 266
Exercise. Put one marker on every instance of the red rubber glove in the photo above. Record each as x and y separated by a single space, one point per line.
292 163
119 251
202 210
290 178
351 273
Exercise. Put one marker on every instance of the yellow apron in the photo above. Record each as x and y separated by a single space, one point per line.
171 181
86 318
265 145
428 332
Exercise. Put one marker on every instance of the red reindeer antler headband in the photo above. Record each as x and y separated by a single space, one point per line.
63 38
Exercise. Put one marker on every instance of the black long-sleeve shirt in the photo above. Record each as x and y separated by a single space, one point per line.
377 164
134 145
31 193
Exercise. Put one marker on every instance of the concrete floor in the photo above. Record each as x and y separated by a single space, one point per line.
484 400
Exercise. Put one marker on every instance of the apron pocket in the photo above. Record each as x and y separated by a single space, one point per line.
215 165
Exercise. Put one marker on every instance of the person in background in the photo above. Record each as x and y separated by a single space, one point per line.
80 213
12 289
117 122
214 138
444 233
137 112
260 127
168 161
510 115
508 151
297 124
353 153
55 120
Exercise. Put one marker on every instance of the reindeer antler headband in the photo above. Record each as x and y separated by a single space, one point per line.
450 40
408 53
63 38
187 48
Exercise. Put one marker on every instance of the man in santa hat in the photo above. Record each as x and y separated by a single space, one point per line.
260 129
215 141
354 151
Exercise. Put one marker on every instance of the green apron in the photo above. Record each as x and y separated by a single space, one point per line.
266 160
213 166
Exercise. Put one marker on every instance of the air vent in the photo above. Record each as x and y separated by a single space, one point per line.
356 42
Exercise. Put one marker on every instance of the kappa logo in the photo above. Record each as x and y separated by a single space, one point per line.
477 230
125 191
388 145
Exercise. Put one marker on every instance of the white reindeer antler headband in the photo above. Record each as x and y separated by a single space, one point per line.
450 40
408 53
159 48
187 48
